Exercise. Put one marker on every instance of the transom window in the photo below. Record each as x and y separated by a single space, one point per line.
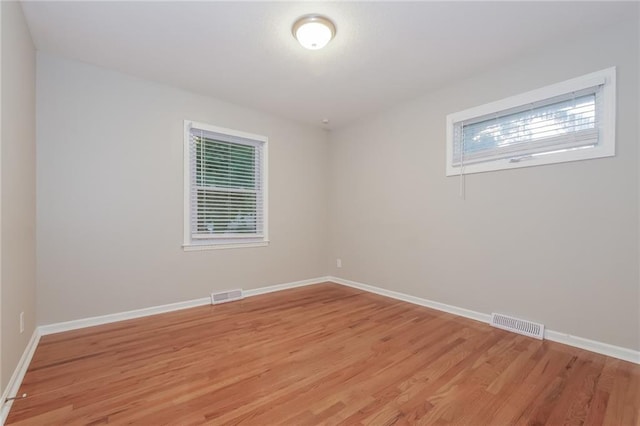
225 187
569 121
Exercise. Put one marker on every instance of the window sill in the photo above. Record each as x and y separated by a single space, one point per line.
541 160
200 247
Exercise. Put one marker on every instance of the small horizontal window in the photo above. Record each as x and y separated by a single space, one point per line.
572 120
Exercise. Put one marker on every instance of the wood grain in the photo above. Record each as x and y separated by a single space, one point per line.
322 354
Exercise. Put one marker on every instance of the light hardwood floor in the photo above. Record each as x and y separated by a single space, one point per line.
323 354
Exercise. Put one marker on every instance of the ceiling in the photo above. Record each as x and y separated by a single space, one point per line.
243 52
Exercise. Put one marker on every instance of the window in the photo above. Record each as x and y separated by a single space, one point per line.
568 121
225 188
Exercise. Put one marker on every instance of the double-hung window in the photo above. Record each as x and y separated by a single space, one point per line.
568 121
225 188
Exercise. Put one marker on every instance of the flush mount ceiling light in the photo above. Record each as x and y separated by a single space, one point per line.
313 31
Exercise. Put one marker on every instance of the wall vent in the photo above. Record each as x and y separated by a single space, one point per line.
226 296
517 325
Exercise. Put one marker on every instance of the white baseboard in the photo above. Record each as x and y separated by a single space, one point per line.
415 300
154 310
18 374
120 316
594 346
279 287
555 336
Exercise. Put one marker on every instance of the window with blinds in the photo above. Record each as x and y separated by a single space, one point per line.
225 187
573 120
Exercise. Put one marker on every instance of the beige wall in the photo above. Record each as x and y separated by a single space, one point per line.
556 244
110 196
17 231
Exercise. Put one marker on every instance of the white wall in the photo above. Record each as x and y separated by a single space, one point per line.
110 196
556 244
17 230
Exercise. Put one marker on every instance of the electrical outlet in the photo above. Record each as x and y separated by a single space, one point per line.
21 322
339 263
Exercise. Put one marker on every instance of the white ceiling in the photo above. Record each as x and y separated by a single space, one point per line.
243 52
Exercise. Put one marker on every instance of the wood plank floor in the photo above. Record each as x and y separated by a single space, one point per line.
323 354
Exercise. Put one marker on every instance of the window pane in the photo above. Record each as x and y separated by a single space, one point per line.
221 212
537 124
224 165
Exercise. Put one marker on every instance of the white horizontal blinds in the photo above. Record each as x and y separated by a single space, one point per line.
226 186
564 122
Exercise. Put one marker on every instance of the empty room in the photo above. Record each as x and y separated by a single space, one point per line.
320 213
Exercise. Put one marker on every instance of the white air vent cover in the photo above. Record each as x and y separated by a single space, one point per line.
226 296
519 326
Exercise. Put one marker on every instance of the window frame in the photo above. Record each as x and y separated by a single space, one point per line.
606 131
192 244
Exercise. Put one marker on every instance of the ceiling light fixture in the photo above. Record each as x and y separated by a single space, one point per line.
313 31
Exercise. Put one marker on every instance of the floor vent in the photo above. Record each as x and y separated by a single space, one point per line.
519 326
226 296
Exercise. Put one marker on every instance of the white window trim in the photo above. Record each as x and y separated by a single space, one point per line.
606 143
190 244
